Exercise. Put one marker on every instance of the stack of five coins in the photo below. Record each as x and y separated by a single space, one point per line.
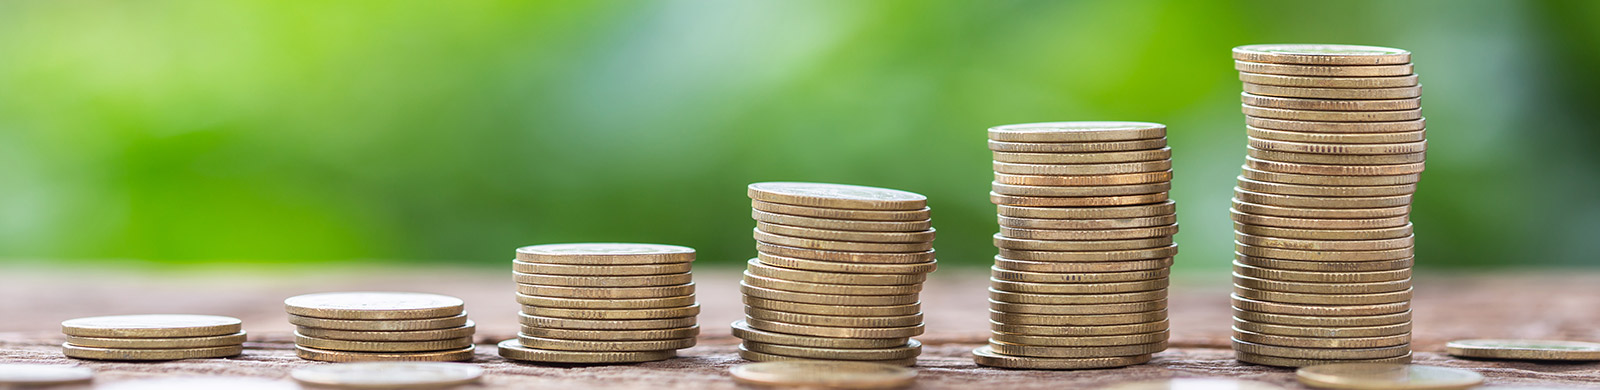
153 337
380 326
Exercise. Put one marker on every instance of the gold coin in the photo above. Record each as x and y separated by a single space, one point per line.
1106 308
847 257
1321 276
846 267
600 269
1329 104
514 350
1088 277
833 310
840 224
1090 235
1387 376
1083 158
756 267
1076 299
1323 332
1321 353
1124 200
833 331
380 325
606 293
831 320
151 325
832 245
1077 147
1325 191
1323 320
1320 213
1079 331
570 323
1364 149
826 299
839 196
605 254
1329 82
1332 116
1075 352
846 235
1324 180
1319 309
1325 245
1336 93
1091 180
1080 191
603 281
1155 245
92 353
454 355
1087 224
1077 132
1082 169
374 305
24 375
824 374
1319 223
406 335
1321 342
1080 341
836 289
606 304
745 332
1159 252
1291 362
1194 384
1321 54
1075 320
910 350
1336 159
1337 138
1134 211
1324 255
603 345
985 356
157 343
388 375
1325 234
613 335
847 214
1081 267
767 357
1336 127
1324 299
381 346
612 314
1324 70
1082 288
1525 349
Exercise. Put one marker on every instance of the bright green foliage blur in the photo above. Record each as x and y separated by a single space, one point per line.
453 132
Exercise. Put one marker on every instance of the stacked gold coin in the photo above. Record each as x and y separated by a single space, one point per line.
153 337
380 326
1322 269
837 275
1085 245
603 303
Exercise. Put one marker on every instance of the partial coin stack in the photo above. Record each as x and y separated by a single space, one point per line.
603 303
380 326
1322 231
153 337
1085 245
838 274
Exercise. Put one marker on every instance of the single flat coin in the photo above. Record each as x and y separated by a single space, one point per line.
1324 309
1362 149
1082 169
613 335
1091 180
1324 180
1324 255
846 246
1077 132
1094 256
514 350
1194 384
1387 376
1075 352
846 257
454 355
1336 159
846 267
1080 288
1321 342
1317 353
1293 362
25 375
1525 349
1079 191
1331 116
1329 104
381 346
1336 93
756 267
550 344
1329 82
847 235
1323 320
1081 267
1076 320
824 374
1324 70
833 310
606 293
404 335
1320 212
388 375
79 352
380 325
1083 158
1318 223
1080 341
838 196
1321 54
1135 211
568 323
1325 191
151 325
830 320
1076 299
910 350
1325 245
607 281
1085 309
374 305
1057 201
833 331
1337 138
1336 127
847 214
840 224
1090 235
613 314
200 383
836 289
767 357
600 269
1403 328
157 343
1086 277
826 299
1242 268
1087 224
605 253
606 304
745 332
1387 233
1349 299
1155 247
1079 331
1077 147
987 357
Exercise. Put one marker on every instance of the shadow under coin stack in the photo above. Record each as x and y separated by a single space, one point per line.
603 303
838 274
380 326
1322 229
152 337
1085 245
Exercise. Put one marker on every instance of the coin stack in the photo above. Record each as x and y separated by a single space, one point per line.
1085 245
1322 269
837 275
380 326
153 337
603 303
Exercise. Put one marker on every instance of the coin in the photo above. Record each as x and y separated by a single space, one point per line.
550 344
846 235
1194 384
824 374
1317 223
1525 349
1077 132
374 305
606 304
1293 362
1324 299
1062 277
512 349
1081 267
835 289
840 224
1077 147
833 310
826 299
1323 180
745 332
985 356
1091 180
606 293
1075 352
1319 213
1323 320
1321 342
1128 247
1162 252
1386 376
1328 82
756 267
1319 54
1316 353
1328 104
1336 138
836 196
1054 309
380 325
766 357
846 267
1336 159
612 335
613 314
151 325
605 254
454 355
833 245
1324 255
1364 149
834 332
80 352
1323 332
388 375
1339 308
1061 201
1325 266
1081 341
600 269
381 346
1332 116
1325 191
1086 224
1075 320
1099 212
1082 288
1090 235
1324 70
845 214
409 335
608 281
1078 331
1084 158
830 320
1336 127
1082 169
157 343
1321 276
199 383
1336 93
1385 233
847 257
27 375
1325 245
569 323
1076 299
1080 191
910 350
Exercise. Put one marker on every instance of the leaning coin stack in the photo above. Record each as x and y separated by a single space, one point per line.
1322 233
603 303
153 337
380 326
1085 245
837 275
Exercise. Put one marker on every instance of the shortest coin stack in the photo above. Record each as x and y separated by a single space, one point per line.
152 337
603 303
380 326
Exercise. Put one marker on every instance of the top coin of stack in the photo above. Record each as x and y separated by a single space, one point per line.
1322 269
153 337
603 303
1085 245
837 275
380 326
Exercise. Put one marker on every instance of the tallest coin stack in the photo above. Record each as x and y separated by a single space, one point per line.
1322 269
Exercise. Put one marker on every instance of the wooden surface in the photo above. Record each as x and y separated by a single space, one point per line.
1552 305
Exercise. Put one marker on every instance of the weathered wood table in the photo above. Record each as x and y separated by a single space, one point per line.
1557 305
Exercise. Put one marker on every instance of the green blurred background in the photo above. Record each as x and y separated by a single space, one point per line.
267 132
